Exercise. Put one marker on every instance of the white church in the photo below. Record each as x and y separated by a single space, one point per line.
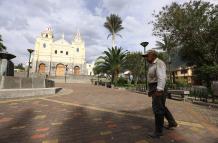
59 57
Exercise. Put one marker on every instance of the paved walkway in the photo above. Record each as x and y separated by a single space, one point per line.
83 113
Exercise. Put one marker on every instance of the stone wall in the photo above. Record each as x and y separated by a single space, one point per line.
10 82
72 79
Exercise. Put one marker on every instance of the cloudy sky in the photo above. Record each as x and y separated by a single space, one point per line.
21 21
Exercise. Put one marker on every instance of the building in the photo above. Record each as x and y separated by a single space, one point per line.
59 57
90 68
183 73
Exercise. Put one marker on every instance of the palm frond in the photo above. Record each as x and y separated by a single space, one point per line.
113 24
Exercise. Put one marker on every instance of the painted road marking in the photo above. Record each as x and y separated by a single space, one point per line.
56 123
119 113
50 141
38 136
105 133
40 117
97 109
42 129
18 127
34 98
142 141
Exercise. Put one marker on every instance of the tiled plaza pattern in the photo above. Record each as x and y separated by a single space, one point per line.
84 113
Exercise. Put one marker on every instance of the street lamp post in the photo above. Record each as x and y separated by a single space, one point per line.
144 44
66 73
28 70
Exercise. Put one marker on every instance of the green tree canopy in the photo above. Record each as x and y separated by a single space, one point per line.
135 63
193 26
113 24
111 63
207 74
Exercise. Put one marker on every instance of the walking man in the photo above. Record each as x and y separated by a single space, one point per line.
156 89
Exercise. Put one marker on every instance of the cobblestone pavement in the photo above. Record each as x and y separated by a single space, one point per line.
83 113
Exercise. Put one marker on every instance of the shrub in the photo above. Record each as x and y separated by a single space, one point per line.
121 81
182 83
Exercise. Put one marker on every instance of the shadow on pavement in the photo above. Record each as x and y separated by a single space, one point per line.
90 126
145 112
16 131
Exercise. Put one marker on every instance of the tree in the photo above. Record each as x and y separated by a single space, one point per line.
111 63
163 56
207 74
113 24
2 47
169 46
193 26
137 70
20 66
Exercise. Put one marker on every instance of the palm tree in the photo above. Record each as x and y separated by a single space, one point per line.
168 45
2 47
113 24
112 62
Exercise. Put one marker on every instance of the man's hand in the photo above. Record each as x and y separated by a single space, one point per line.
159 93
150 94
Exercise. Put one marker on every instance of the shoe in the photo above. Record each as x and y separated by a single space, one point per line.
155 135
170 126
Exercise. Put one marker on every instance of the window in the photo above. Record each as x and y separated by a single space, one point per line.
77 49
55 51
184 71
61 51
46 35
67 53
44 45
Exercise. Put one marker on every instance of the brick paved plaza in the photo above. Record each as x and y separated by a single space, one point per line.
84 113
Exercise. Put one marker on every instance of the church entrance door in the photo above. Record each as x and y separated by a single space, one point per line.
60 70
42 68
76 70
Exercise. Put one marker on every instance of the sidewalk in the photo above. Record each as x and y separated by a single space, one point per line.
85 113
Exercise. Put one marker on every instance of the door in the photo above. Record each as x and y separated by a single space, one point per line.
76 70
42 68
60 70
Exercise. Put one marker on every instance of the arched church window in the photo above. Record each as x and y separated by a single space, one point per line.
46 35
56 51
66 52
44 45
61 51
77 49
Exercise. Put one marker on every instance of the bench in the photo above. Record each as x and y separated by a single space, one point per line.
183 93
214 87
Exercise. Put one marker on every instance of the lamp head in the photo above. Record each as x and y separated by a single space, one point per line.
144 44
30 50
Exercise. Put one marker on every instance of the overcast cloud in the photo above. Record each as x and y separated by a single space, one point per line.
22 21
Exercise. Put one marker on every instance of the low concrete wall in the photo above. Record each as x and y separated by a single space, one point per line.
72 79
27 92
10 82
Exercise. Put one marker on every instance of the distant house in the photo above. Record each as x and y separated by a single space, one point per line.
179 70
90 67
185 73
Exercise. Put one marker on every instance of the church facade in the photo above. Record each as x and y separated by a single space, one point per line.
59 57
